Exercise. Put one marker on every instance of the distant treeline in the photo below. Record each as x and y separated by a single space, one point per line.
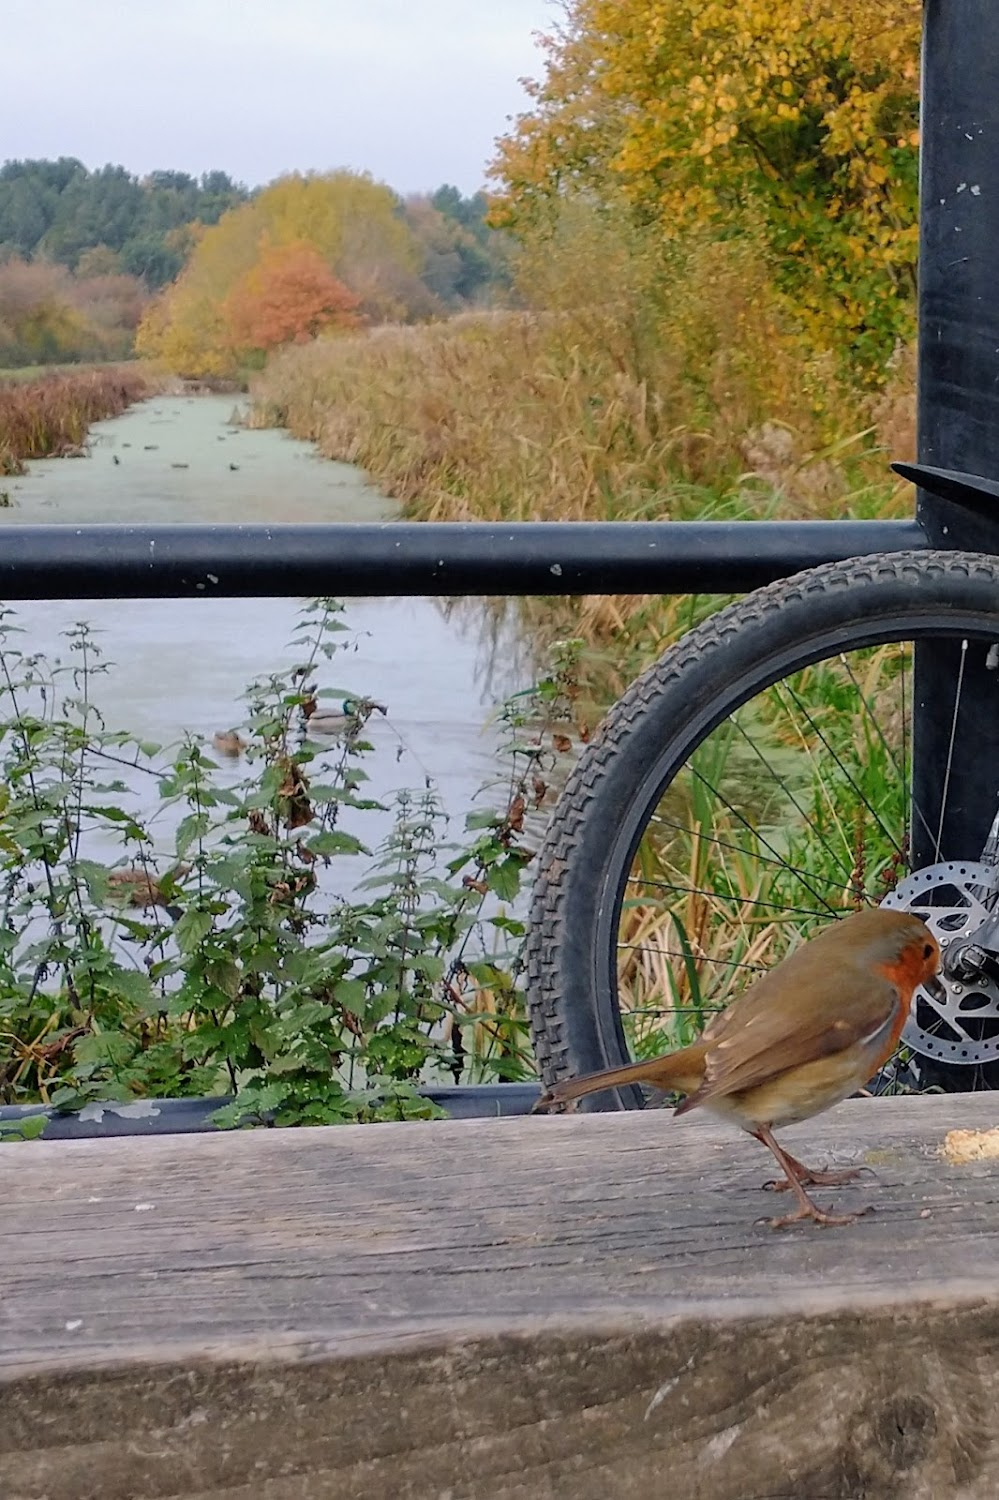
108 221
81 252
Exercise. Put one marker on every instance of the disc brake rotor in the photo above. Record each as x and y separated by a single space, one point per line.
964 1027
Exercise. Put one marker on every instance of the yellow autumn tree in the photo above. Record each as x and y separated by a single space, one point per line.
799 116
353 224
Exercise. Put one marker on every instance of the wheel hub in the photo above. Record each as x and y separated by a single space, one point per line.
963 1028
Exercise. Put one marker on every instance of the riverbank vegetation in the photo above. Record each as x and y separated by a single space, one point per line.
266 952
50 417
692 398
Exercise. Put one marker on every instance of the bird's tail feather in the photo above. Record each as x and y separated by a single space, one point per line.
682 1071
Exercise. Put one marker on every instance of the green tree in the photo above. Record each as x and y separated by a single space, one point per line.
61 211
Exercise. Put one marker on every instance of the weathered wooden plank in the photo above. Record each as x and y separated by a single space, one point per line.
577 1306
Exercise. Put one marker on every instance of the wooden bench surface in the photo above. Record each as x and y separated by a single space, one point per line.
581 1306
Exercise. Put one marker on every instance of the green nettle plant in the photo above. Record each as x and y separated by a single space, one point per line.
271 956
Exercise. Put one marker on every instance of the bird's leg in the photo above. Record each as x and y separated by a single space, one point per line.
815 1176
806 1208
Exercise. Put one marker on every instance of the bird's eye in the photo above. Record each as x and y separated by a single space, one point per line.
928 950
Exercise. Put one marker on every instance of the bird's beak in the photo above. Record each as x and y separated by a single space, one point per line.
935 988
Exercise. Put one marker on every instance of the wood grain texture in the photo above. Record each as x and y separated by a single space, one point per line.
580 1307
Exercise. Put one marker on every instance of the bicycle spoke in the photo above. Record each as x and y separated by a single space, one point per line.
848 668
950 747
765 842
784 788
699 958
910 796
692 890
752 854
825 743
675 1010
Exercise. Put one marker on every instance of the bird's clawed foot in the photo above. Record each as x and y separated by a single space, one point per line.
810 1210
797 1175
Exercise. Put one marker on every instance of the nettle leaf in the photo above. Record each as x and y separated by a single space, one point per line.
483 819
134 986
428 964
352 995
285 1062
94 877
226 797
103 1049
230 871
503 878
191 929
223 975
301 1015
333 842
190 831
256 1099
508 924
321 793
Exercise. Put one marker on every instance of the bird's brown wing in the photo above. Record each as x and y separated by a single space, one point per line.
773 1028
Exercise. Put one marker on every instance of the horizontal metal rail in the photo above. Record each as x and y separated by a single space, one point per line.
462 1101
403 558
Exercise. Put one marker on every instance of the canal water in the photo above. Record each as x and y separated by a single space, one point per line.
182 665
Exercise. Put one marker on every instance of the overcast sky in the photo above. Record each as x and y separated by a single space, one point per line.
414 91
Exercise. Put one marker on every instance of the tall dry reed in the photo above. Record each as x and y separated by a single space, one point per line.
50 417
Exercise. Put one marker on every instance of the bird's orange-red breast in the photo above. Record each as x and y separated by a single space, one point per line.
805 1036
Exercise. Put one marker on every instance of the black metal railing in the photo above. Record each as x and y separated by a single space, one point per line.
403 558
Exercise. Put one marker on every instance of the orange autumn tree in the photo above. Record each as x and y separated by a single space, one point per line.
288 297
353 224
800 116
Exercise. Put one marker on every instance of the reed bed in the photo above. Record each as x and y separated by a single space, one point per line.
50 417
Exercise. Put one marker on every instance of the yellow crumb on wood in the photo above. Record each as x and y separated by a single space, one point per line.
962 1146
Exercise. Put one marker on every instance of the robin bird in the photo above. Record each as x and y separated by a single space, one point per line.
805 1036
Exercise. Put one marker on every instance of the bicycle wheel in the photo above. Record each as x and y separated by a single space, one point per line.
752 784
